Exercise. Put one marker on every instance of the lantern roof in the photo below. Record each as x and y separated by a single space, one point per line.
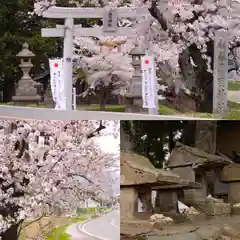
137 51
25 52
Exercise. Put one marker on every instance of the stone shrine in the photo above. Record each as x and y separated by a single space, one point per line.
193 164
138 179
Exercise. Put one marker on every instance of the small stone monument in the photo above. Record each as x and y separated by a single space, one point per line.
134 95
220 74
26 91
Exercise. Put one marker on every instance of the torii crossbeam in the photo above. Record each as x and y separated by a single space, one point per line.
68 31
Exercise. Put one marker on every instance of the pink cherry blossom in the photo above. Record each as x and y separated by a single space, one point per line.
52 163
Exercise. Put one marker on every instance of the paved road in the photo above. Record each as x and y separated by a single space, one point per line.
25 113
104 228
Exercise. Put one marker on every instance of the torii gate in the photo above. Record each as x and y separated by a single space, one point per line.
68 31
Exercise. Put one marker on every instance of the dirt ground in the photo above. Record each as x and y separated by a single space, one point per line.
43 226
219 228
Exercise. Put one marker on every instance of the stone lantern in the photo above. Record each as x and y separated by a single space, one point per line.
134 95
26 91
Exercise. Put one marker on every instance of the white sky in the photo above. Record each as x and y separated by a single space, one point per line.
109 144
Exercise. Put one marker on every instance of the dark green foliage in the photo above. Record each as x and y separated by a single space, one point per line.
16 28
149 138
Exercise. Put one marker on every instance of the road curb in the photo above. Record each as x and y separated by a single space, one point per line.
80 228
114 225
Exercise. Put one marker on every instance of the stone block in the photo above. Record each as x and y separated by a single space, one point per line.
235 210
196 217
214 209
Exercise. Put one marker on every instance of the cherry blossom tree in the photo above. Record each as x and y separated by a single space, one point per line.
180 34
108 70
47 164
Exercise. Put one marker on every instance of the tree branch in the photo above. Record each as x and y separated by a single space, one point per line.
80 175
97 131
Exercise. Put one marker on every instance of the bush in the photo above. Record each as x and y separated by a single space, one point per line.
81 211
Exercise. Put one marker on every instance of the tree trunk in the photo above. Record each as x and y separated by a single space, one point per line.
8 89
204 79
206 136
102 106
125 143
103 99
171 140
197 78
188 136
11 233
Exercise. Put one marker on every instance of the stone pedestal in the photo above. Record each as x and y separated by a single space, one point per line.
167 202
26 91
128 202
231 175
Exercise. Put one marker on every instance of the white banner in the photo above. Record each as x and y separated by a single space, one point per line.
149 91
61 85
57 83
53 79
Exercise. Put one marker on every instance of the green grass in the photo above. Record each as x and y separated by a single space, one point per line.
108 108
234 110
59 233
234 86
92 107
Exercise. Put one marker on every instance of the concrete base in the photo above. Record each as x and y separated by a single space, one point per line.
134 105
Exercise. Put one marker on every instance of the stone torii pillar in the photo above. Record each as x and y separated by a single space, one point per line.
110 28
